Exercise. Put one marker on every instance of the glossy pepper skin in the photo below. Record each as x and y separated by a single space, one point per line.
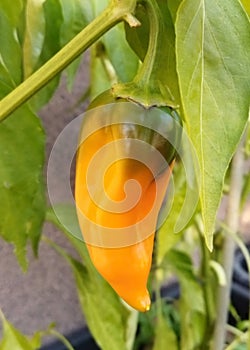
126 267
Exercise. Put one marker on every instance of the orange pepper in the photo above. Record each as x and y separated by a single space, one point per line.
106 199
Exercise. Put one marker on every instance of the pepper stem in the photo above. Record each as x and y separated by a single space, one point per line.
146 88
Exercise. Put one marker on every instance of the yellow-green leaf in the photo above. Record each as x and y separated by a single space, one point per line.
13 339
34 35
213 64
165 337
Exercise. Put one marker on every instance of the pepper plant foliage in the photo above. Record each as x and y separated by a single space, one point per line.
204 65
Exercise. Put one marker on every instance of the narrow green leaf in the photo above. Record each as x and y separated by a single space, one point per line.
167 238
173 6
21 181
98 6
138 37
6 82
76 15
70 228
168 76
182 200
165 337
12 11
121 56
53 24
214 69
34 35
99 77
10 51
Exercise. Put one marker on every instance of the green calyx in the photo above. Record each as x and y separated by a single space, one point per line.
164 119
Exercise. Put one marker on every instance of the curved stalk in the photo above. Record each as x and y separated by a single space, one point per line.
61 338
146 73
146 88
114 13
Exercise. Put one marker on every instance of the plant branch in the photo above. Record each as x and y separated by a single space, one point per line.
207 289
114 13
232 219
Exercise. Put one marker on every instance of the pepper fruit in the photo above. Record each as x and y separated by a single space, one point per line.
126 263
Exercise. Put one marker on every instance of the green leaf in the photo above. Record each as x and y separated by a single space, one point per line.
182 200
10 51
167 238
21 181
34 35
213 67
98 6
6 82
13 339
70 228
76 15
165 337
173 6
168 76
100 80
123 59
12 11
138 38
53 24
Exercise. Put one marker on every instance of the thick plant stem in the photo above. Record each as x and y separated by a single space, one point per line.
232 219
114 13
